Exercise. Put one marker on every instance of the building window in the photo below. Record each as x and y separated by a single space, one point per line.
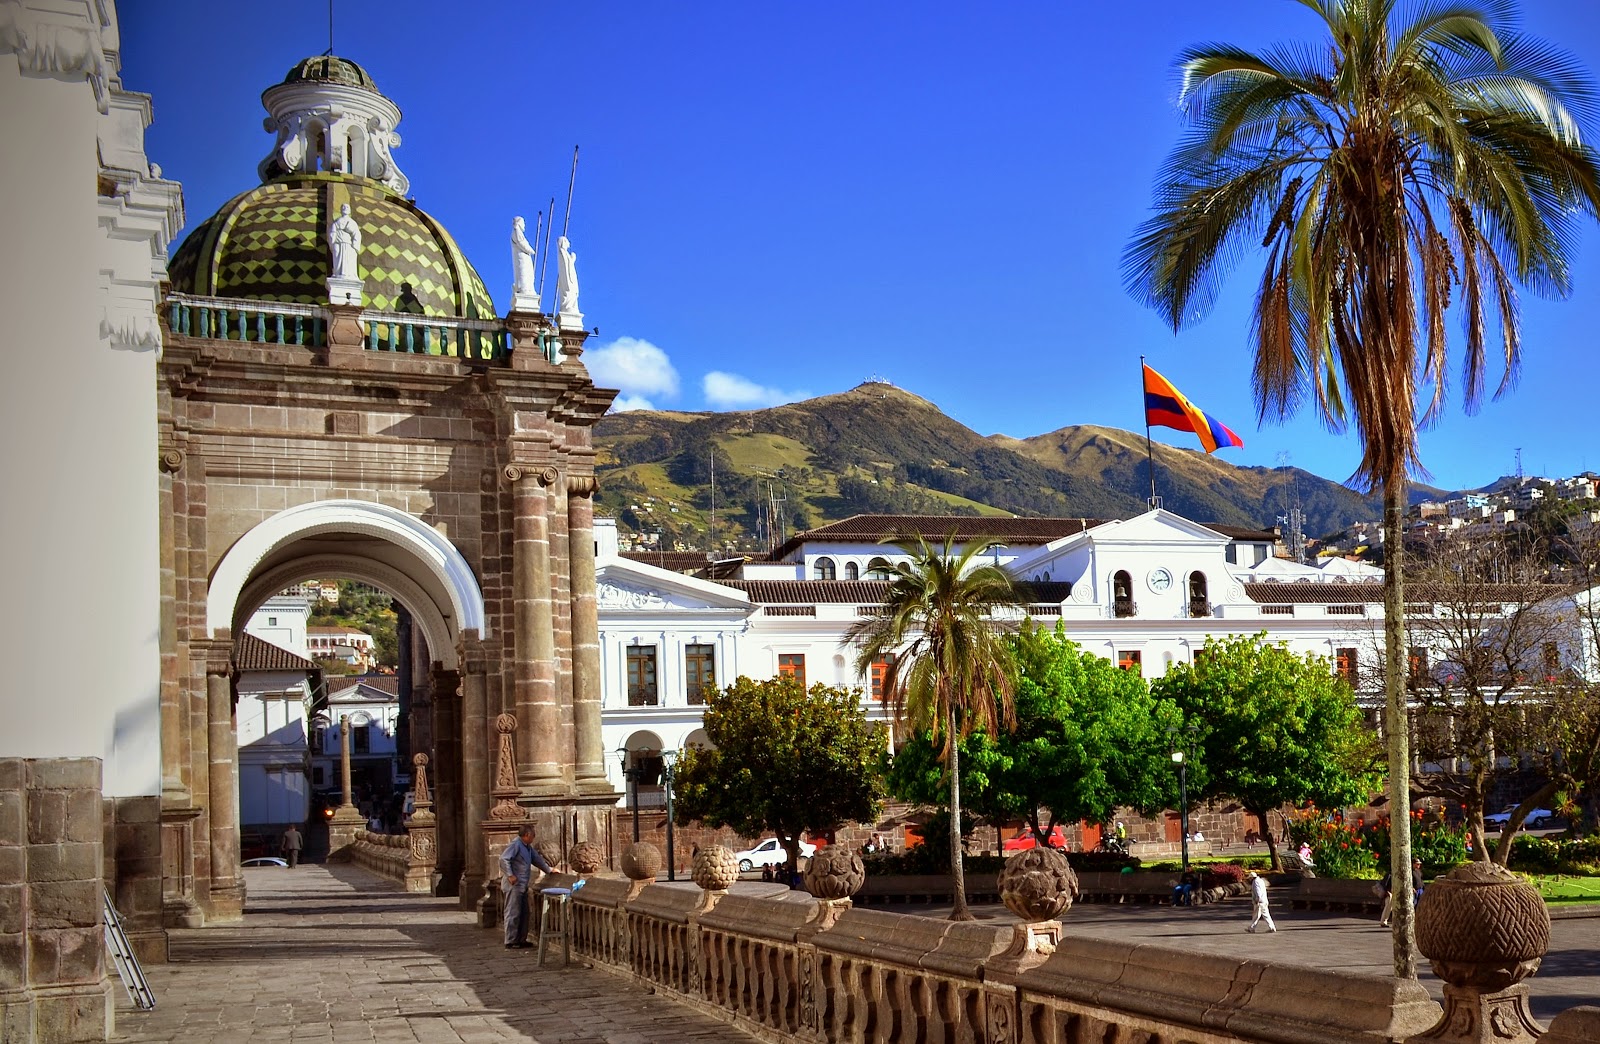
699 671
879 674
1199 597
316 775
272 621
878 569
361 739
852 571
1417 663
1347 666
1131 660
316 737
823 570
642 676
793 665
1122 593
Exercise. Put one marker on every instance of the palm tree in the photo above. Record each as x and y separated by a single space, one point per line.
946 669
1408 156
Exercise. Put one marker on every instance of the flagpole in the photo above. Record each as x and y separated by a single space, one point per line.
1149 453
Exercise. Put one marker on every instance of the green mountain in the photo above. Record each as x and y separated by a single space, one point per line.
878 448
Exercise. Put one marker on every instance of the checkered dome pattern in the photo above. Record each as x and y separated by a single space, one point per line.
271 244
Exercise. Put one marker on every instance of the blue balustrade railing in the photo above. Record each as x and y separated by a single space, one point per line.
409 334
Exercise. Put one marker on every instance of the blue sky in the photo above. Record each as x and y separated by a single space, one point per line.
778 200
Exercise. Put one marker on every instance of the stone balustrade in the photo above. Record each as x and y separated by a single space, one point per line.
395 856
260 322
786 967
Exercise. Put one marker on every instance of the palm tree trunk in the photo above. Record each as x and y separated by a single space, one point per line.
1397 722
958 878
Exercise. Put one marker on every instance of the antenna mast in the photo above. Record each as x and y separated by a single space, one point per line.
329 51
1293 520
544 254
572 179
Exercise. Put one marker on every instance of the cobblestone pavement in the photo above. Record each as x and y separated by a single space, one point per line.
335 954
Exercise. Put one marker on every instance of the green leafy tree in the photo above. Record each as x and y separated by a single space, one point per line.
1416 152
782 759
948 669
1271 728
1089 737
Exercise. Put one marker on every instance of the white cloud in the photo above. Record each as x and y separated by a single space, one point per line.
624 403
636 367
729 391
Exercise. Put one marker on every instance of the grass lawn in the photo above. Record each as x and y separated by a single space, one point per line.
1562 888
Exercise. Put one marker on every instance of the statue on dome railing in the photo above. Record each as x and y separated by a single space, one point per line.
524 289
344 244
567 285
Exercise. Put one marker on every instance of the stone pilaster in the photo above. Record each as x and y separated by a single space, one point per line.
533 643
345 339
476 751
53 984
447 776
589 755
226 897
133 872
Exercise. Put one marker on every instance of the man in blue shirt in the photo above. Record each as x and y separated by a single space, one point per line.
516 865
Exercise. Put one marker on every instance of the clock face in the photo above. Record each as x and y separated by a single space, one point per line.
1159 580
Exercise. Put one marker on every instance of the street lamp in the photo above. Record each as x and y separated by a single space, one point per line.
667 758
1183 803
631 774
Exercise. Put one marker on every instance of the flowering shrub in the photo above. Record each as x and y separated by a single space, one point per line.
1338 850
1215 875
1440 845
1539 855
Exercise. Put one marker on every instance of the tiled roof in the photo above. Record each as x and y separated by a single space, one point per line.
387 683
253 654
1241 532
859 592
692 563
1371 592
870 529
1301 592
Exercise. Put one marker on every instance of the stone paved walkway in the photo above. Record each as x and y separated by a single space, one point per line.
335 954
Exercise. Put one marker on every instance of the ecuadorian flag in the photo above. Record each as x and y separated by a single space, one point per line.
1165 407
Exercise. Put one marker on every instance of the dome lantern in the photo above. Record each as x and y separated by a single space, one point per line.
330 117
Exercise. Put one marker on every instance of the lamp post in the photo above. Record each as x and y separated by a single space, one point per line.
667 758
1183 802
630 773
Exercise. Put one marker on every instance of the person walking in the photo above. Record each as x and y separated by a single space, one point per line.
516 866
1387 885
291 845
1258 903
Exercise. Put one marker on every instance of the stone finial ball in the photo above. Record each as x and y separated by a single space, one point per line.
586 857
505 724
835 873
641 861
550 850
419 759
715 868
1483 926
1038 884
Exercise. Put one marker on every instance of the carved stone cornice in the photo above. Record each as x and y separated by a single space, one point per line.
62 43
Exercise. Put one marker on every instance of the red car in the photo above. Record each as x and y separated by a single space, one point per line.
1025 840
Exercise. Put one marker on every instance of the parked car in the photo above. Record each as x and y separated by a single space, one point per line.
770 853
1536 819
266 861
1026 840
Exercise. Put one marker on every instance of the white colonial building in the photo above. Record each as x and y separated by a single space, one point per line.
1145 592
275 687
372 705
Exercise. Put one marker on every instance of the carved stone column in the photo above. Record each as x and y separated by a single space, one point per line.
227 884
533 642
476 750
589 756
347 818
447 776
422 828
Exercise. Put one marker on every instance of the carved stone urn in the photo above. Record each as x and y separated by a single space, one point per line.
586 858
1484 929
641 862
715 869
834 875
1038 885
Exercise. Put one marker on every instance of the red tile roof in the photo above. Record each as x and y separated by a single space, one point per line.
859 592
254 654
388 683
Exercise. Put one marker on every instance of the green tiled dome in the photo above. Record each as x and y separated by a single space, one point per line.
326 68
270 244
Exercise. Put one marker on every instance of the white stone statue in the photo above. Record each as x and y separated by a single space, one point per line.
524 288
567 284
344 243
